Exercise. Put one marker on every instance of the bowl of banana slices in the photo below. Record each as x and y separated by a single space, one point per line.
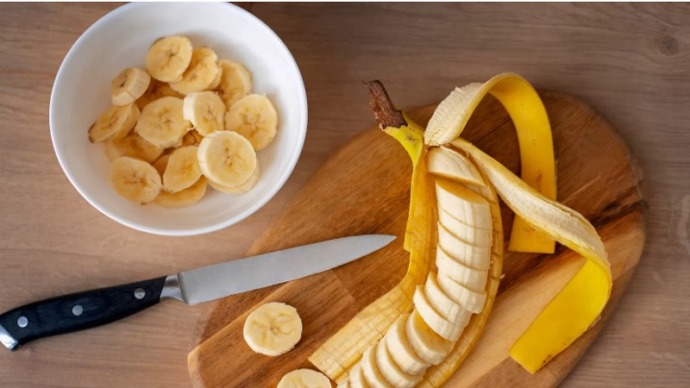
178 119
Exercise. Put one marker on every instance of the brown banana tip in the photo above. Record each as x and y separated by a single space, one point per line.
382 106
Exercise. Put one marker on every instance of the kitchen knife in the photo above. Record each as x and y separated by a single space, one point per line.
93 308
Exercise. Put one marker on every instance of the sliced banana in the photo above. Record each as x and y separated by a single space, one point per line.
201 73
192 138
168 58
450 310
448 163
462 251
468 277
400 349
255 118
115 123
428 345
304 378
436 321
182 170
129 85
216 81
162 124
205 110
132 145
468 233
470 300
235 82
239 189
463 204
370 370
395 376
135 180
161 164
273 329
183 198
156 90
357 378
226 158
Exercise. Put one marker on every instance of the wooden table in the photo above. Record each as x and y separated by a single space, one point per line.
630 62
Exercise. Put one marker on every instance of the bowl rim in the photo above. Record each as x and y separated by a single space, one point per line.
279 183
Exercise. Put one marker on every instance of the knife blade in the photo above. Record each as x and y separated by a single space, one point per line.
84 310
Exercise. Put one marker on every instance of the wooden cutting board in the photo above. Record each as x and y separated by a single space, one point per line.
364 188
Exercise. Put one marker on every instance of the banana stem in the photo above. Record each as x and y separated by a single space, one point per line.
382 106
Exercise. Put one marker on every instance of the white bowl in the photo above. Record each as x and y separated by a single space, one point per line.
120 39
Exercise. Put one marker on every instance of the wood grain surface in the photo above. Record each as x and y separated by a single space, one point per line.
364 188
629 61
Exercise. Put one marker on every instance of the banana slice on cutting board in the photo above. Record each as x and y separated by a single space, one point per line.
132 145
239 189
226 158
129 85
428 345
400 349
135 180
393 374
201 73
182 169
370 369
273 329
205 110
168 58
304 378
255 118
115 123
161 122
235 82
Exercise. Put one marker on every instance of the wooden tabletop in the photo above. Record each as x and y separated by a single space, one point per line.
630 62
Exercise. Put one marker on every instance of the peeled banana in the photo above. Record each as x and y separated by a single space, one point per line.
273 329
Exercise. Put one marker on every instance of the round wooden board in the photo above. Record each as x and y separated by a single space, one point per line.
364 188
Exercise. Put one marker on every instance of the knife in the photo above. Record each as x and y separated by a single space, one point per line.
93 308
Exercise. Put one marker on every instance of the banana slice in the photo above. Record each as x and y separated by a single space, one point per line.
162 124
192 138
467 233
443 327
400 349
357 378
428 345
468 277
226 158
443 304
463 204
273 329
156 90
471 300
235 82
205 110
255 118
370 370
161 164
443 161
395 376
132 145
464 252
168 58
135 180
304 378
183 198
115 123
239 189
129 85
216 81
182 170
201 73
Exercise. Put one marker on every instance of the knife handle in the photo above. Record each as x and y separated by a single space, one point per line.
79 311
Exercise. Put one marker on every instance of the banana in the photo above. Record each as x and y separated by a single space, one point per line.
357 378
304 378
463 204
135 180
183 198
132 145
273 329
428 345
370 369
205 110
156 90
129 85
470 300
440 325
161 164
255 118
168 58
162 124
242 188
182 170
464 252
216 81
443 304
449 164
115 123
226 158
400 349
201 73
471 278
395 376
467 233
235 82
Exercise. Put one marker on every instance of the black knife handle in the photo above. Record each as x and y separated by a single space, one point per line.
79 311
